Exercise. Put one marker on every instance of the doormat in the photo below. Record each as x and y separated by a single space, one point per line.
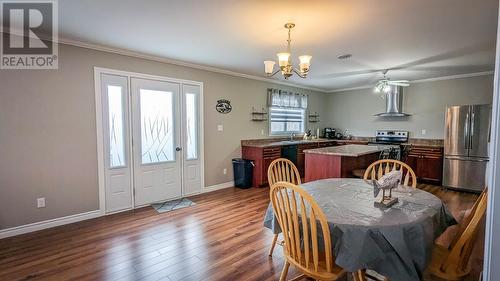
172 205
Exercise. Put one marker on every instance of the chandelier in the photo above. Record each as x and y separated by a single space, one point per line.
284 62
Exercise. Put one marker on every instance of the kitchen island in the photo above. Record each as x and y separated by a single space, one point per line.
338 161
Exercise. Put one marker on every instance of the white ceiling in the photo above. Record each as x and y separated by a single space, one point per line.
420 38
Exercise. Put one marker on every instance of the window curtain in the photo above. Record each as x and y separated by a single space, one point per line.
287 99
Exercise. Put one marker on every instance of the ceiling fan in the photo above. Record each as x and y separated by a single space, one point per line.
384 84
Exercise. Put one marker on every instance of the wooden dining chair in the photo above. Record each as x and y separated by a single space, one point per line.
452 262
381 167
281 169
468 217
305 228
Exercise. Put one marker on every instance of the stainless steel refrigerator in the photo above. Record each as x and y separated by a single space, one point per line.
466 140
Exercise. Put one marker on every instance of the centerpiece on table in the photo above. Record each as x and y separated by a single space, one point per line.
387 182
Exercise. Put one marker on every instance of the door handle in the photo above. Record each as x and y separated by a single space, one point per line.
466 132
178 148
473 115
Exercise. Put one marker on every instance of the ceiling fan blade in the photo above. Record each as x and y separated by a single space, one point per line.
399 83
345 74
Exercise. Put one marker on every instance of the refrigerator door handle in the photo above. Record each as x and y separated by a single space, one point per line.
466 132
467 159
471 128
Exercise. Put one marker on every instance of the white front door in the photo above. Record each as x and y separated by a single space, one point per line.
117 162
150 144
157 139
191 118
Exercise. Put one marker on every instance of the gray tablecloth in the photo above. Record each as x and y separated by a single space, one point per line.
396 242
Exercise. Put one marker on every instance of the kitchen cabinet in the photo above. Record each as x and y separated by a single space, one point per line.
346 142
262 158
427 162
301 159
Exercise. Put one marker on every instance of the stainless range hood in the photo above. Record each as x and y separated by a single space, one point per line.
394 103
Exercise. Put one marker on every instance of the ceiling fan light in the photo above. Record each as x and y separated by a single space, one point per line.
283 59
269 66
387 88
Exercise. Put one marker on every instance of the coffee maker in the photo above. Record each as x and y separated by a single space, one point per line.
329 133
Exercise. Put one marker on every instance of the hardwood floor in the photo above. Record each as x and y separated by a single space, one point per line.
220 238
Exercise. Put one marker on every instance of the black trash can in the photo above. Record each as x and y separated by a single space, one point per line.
243 172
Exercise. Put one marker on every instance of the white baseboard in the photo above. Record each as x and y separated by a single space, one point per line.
218 186
18 230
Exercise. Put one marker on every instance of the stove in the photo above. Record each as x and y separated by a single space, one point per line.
390 141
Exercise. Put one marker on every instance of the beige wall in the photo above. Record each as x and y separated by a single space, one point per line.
426 101
48 135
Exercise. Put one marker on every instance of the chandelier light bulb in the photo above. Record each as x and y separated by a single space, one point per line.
304 63
283 59
269 66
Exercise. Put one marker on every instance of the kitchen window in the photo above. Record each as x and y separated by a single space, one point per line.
284 121
287 112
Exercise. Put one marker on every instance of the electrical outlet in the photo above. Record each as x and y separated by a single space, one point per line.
262 132
40 202
220 128
423 131
224 171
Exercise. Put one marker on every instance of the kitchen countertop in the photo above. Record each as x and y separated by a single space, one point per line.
349 150
287 141
425 142
279 142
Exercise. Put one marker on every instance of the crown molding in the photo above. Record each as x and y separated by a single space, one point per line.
125 52
129 53
433 79
140 55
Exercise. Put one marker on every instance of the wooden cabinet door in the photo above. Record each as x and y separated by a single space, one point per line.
301 156
430 168
269 154
412 161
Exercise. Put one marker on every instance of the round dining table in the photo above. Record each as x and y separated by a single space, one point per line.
395 241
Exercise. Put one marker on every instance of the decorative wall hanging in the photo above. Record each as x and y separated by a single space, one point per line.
223 106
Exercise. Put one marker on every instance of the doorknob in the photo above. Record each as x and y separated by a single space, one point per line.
178 148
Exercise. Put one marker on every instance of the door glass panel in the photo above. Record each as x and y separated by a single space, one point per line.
116 130
191 127
157 126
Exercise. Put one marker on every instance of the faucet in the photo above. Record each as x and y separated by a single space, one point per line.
291 136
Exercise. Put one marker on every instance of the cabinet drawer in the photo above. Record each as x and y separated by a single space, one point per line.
303 147
326 144
271 152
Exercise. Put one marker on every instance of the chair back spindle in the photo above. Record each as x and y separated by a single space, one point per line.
283 169
381 167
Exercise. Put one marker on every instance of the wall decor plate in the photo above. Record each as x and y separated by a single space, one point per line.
223 106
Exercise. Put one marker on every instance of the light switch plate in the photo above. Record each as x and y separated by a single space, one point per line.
220 128
40 202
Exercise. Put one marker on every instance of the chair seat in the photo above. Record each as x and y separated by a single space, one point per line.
321 273
439 254
359 173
